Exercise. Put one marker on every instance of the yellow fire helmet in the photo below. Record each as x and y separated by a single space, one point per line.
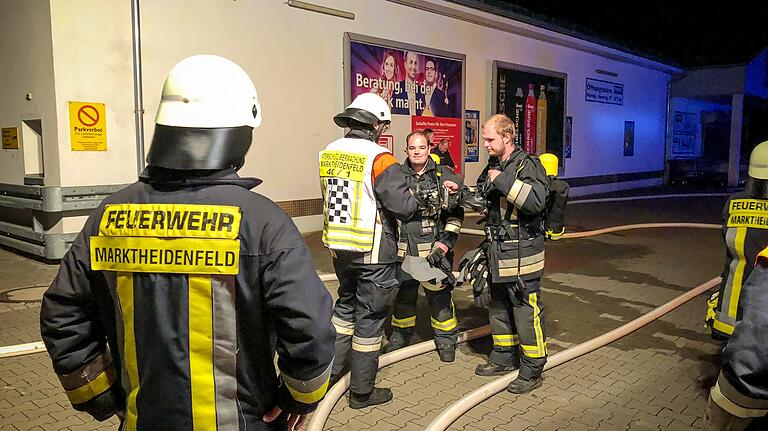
550 163
758 162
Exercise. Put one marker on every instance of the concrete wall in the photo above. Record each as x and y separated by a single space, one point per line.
26 52
92 57
296 60
598 129
295 57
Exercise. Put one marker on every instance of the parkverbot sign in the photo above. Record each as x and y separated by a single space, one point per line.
87 126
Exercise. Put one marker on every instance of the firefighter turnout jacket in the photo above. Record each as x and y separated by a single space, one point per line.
745 230
515 259
516 201
175 297
364 194
742 387
419 233
417 238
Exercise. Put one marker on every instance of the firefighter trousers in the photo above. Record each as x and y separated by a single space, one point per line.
441 309
517 327
717 418
365 293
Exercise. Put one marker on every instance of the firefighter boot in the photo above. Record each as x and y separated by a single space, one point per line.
397 340
376 397
493 369
523 386
447 353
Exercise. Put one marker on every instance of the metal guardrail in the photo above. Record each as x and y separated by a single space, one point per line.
47 199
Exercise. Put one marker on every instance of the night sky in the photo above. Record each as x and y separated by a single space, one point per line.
687 33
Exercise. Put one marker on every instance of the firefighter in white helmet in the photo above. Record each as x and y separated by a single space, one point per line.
364 194
745 230
173 300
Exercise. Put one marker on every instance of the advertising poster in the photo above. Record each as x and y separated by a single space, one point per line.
629 138
387 141
535 101
684 129
472 136
683 143
443 128
426 87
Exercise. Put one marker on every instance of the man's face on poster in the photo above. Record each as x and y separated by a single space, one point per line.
412 65
429 72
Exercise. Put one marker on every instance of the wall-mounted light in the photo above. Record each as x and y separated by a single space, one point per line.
606 72
320 9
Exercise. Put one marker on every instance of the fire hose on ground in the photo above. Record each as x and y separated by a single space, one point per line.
22 349
323 411
450 415
457 409
38 347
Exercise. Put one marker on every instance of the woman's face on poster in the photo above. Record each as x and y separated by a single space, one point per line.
389 67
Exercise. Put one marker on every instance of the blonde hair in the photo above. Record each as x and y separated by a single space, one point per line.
503 125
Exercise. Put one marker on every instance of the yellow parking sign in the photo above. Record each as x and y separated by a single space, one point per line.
87 126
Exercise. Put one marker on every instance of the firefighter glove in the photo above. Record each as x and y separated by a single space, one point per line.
435 256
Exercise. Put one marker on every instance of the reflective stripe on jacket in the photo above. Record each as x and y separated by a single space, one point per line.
742 388
745 231
392 202
173 301
349 204
520 190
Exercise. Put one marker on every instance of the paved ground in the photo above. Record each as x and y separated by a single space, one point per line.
30 395
655 378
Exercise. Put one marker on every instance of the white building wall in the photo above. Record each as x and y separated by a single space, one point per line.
295 57
598 129
26 52
296 60
92 53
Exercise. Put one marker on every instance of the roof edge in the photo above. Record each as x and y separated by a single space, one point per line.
554 27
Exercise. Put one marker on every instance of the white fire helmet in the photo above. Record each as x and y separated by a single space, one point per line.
367 108
758 162
208 91
206 117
